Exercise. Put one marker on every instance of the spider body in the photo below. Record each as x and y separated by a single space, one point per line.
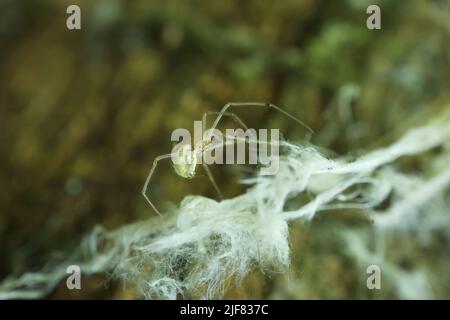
189 158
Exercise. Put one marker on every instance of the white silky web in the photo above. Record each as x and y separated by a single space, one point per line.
204 244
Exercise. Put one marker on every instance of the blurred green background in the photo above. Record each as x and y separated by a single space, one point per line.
83 113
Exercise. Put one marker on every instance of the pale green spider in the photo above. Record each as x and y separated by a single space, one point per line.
188 168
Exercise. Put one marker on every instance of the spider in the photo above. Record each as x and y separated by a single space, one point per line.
187 168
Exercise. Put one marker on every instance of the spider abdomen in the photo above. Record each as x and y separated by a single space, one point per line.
187 163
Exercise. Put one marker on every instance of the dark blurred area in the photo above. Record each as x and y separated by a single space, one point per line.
83 113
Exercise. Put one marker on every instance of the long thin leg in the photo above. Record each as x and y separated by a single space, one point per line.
144 189
209 173
232 138
205 166
256 104
213 181
231 141
230 114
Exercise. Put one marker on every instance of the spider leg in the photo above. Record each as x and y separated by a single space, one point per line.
244 139
152 170
208 171
213 181
230 114
205 166
256 104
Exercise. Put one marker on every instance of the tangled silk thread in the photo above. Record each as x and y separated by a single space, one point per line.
203 244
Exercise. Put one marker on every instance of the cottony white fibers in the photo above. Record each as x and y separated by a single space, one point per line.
203 244
404 213
407 284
